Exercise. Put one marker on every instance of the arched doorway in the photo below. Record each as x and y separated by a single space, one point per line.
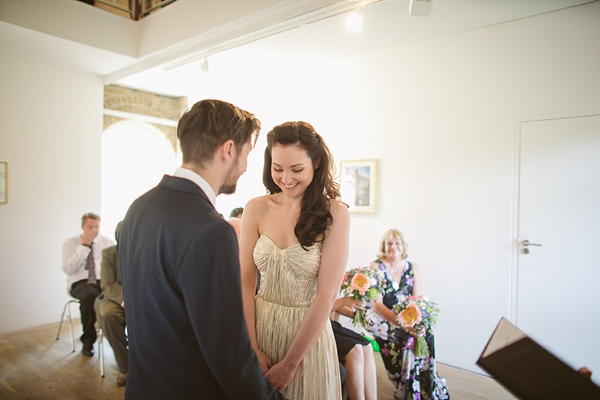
135 156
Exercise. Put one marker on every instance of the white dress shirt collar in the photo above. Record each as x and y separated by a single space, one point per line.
198 180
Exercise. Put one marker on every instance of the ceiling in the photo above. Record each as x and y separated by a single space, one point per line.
387 23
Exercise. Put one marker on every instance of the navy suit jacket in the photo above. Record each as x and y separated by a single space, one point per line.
180 275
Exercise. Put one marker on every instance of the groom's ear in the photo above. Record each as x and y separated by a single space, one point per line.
227 150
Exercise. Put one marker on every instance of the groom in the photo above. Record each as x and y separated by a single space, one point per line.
180 270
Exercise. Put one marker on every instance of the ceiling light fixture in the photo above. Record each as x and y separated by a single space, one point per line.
354 21
204 66
420 8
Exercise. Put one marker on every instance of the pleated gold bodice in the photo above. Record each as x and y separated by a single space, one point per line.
288 285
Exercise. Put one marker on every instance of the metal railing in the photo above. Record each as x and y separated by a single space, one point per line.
130 8
150 5
136 9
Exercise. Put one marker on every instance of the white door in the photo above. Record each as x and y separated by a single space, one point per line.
558 282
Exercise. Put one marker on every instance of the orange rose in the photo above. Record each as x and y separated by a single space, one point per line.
410 316
361 283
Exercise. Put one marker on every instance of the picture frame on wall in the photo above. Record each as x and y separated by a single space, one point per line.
3 182
358 185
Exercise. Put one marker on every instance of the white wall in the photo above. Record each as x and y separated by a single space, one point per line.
50 136
440 117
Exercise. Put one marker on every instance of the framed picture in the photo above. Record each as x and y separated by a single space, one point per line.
358 184
3 181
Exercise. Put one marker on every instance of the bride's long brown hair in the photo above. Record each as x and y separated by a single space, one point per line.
315 217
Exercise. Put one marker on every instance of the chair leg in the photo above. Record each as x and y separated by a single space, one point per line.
99 335
66 314
71 326
62 317
101 349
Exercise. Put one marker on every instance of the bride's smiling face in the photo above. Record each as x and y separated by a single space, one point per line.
291 169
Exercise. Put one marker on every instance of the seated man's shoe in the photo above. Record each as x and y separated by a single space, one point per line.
88 350
121 378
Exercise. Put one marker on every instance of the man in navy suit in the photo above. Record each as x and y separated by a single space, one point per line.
180 270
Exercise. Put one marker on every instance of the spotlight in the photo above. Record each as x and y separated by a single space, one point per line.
421 8
354 21
204 66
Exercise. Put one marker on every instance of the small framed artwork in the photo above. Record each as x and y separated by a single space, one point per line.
358 184
3 181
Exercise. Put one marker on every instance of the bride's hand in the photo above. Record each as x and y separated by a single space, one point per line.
264 361
280 375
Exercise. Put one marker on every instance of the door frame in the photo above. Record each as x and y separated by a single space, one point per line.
514 269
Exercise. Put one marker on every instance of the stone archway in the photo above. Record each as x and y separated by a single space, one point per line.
139 145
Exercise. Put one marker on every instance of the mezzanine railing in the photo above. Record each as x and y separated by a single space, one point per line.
136 9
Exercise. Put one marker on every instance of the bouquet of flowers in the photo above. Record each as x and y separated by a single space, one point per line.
417 315
364 284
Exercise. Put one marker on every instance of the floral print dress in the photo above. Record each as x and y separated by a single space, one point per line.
415 378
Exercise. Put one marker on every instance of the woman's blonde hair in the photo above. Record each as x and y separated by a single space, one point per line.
396 234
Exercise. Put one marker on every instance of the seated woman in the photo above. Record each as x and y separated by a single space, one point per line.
410 374
355 352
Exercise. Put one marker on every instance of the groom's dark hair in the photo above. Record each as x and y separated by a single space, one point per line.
208 124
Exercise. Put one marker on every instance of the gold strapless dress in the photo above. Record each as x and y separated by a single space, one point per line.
288 285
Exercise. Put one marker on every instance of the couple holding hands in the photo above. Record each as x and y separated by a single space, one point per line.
187 303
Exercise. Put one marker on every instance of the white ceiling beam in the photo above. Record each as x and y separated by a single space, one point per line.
281 17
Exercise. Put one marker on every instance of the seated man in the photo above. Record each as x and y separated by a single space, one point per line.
111 311
81 259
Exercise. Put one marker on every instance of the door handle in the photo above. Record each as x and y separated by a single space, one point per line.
528 243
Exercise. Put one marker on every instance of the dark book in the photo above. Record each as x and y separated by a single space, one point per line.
529 371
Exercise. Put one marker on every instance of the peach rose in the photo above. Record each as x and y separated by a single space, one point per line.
410 316
361 283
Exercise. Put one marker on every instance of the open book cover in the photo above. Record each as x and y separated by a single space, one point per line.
529 371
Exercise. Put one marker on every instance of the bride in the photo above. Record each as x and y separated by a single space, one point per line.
297 236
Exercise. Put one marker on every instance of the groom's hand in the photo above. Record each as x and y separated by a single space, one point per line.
264 361
280 375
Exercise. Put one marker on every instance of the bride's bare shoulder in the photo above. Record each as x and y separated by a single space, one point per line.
337 207
262 203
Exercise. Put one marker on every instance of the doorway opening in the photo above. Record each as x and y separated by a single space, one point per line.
135 156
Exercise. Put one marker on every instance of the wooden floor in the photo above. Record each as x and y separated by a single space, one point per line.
462 385
33 365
